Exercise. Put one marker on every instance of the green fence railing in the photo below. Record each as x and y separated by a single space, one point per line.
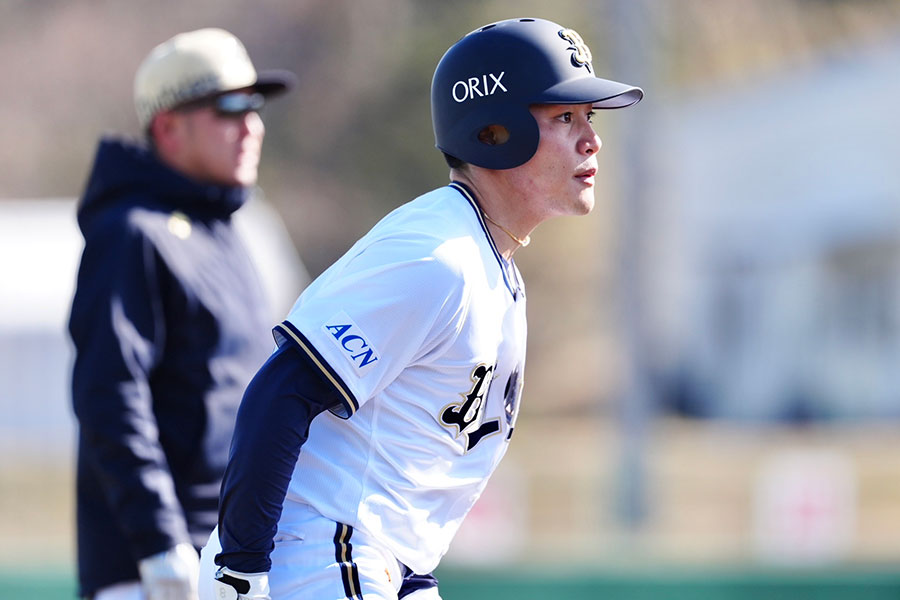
588 584
846 583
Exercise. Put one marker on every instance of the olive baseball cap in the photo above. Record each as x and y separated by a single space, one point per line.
199 64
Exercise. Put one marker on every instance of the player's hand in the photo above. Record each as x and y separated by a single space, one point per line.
171 575
232 585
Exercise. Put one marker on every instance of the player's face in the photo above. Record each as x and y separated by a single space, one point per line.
560 176
221 149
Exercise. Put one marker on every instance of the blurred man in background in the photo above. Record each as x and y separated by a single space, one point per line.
169 319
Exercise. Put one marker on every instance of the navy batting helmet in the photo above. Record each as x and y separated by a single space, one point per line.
491 77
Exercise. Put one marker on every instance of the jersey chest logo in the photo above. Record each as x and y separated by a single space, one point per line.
467 416
512 399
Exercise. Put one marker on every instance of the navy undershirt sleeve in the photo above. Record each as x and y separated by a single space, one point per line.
272 424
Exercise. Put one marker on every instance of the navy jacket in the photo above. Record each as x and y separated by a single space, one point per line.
169 324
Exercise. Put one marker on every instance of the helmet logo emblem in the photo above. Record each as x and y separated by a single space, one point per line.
478 86
581 54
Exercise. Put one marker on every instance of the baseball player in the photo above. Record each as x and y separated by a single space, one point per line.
393 392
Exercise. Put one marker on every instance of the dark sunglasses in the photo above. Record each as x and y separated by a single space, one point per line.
231 104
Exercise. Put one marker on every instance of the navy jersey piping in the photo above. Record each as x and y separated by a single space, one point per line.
287 331
343 556
504 267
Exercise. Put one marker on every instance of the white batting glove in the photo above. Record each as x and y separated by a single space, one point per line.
171 575
232 585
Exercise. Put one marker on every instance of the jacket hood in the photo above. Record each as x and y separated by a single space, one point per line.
125 169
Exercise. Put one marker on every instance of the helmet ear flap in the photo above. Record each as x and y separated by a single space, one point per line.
497 137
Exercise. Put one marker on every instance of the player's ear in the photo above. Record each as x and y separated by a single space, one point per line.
494 135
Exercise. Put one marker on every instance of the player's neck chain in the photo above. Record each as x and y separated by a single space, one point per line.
520 241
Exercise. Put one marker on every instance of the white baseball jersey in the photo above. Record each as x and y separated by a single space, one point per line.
423 323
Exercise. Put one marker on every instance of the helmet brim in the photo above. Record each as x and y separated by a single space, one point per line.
601 93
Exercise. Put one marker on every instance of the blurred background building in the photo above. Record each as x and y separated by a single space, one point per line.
712 378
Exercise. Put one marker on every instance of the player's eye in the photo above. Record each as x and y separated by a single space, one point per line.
566 117
590 116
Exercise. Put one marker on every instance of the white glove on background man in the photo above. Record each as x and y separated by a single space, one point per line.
232 585
171 575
